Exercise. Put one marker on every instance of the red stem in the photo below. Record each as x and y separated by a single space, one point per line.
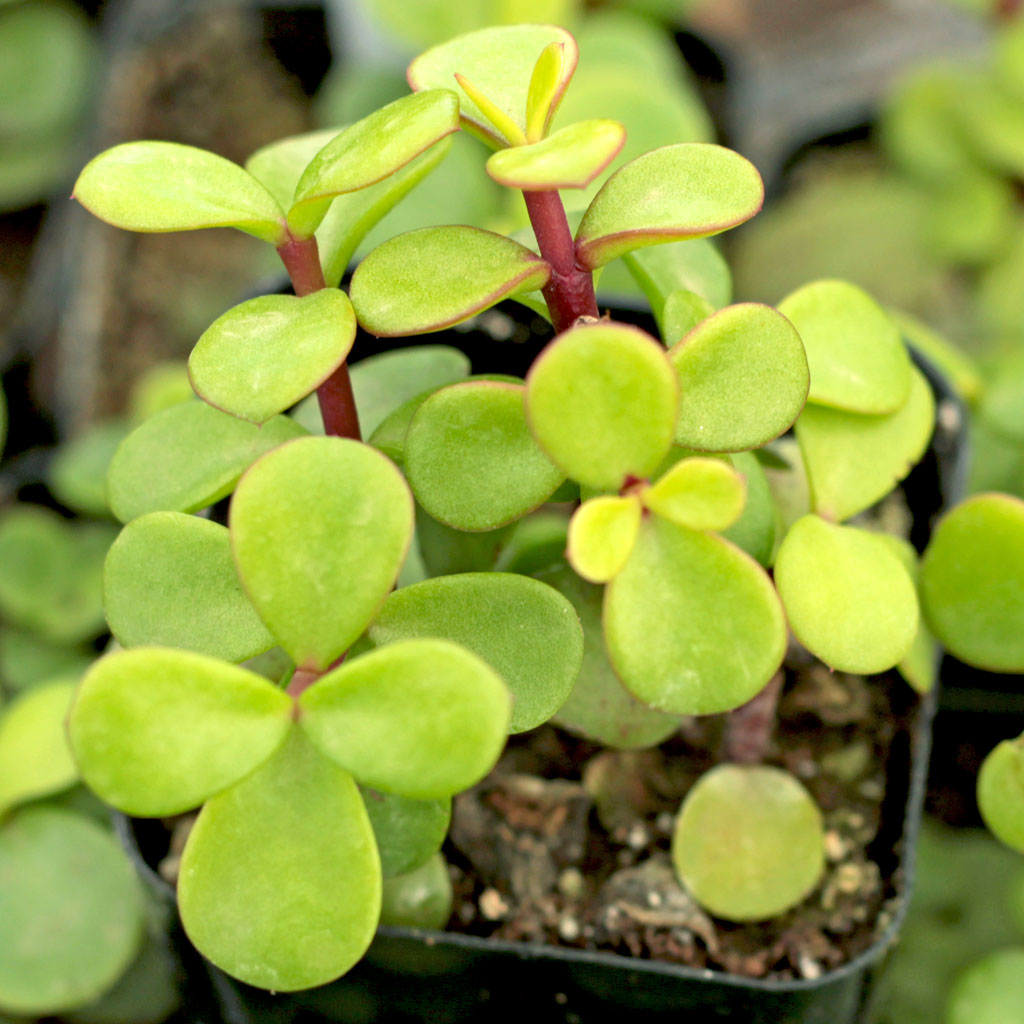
749 728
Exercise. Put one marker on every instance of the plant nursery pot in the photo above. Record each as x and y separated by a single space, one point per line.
449 978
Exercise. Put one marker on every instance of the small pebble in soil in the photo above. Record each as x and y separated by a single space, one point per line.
492 906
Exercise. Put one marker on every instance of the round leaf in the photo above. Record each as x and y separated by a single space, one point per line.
848 596
690 190
682 312
471 460
523 629
164 186
694 266
280 881
261 357
78 472
421 718
170 580
602 400
432 278
743 379
1001 792
420 899
701 494
972 582
408 832
749 842
155 732
602 533
990 991
693 624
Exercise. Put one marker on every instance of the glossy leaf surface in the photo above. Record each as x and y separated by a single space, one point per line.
698 493
680 644
155 732
524 630
602 533
408 832
280 882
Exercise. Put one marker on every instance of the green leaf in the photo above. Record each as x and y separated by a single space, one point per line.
601 400
972 582
34 756
320 529
421 718
280 882
1001 792
159 387
698 493
70 911
690 190
170 580
754 531
446 551
743 379
749 842
523 629
545 90
693 624
279 165
536 541
499 61
958 367
919 667
429 279
156 732
990 991
408 832
471 460
571 158
78 472
602 533
420 899
682 312
857 359
187 458
371 150
164 186
854 460
26 660
847 595
1002 403
261 357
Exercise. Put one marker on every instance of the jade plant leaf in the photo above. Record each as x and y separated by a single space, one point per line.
527 632
471 460
713 189
743 379
1001 792
990 991
78 472
536 542
408 832
187 458
1002 403
422 718
371 150
432 278
682 312
279 165
34 756
421 898
499 61
601 400
445 550
749 842
856 356
570 158
958 367
27 660
754 531
698 493
849 598
170 580
602 533
261 357
853 460
320 529
680 644
972 582
165 186
280 881
546 88
155 732
919 666
71 914
695 266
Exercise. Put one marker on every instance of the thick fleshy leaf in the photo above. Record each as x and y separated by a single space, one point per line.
990 991
34 756
958 367
693 624
187 458
408 832
71 912
371 150
471 460
1002 403
170 580
682 312
754 531
280 881
1001 792
261 357
749 842
743 379
536 542
853 460
690 190
279 165
699 493
26 660
545 90
972 582
919 666
602 533
847 595
78 472
694 266
421 898
446 551
421 718
499 61
523 629
164 186
600 707
155 732
432 278
857 358
320 529
571 158
602 400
